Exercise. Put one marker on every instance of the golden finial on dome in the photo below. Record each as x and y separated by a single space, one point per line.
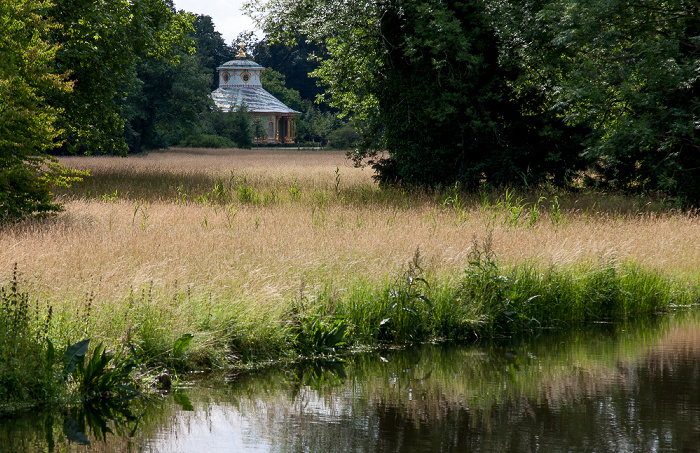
241 53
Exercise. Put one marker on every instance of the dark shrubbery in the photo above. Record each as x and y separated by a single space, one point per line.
207 141
345 137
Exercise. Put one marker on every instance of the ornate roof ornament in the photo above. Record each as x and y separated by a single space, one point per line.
241 50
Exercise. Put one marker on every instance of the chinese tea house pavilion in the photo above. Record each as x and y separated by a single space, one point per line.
240 83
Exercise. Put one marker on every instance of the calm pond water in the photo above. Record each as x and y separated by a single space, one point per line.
605 388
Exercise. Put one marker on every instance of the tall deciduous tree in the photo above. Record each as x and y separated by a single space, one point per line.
26 121
422 77
166 103
101 42
212 50
626 68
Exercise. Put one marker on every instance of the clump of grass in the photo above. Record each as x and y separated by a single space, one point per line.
491 300
405 304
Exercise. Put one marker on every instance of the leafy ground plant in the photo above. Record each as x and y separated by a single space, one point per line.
97 377
320 336
26 372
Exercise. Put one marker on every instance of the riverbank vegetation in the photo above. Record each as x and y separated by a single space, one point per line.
192 259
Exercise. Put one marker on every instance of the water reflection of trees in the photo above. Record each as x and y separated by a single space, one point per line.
604 388
608 388
634 391
101 426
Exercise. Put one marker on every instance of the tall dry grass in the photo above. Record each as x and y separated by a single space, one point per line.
117 234
175 242
265 255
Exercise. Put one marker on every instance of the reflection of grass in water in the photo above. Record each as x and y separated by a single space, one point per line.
553 370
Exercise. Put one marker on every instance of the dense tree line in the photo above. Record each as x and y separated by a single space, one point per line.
119 77
496 91
627 70
68 77
600 92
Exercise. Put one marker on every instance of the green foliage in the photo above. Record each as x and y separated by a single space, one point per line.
496 297
315 333
626 70
274 83
211 49
27 128
166 103
26 354
66 71
346 138
97 377
408 303
24 192
259 130
206 141
502 302
315 125
235 126
422 80
181 344
73 356
318 335
488 300
100 44
294 62
239 127
506 92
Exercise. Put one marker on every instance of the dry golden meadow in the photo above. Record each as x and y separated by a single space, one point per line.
282 219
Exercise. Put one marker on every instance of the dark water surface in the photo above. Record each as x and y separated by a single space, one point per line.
605 388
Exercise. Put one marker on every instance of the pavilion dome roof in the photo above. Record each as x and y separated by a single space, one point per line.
241 63
256 99
240 82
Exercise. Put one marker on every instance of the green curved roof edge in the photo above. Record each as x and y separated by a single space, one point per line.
240 63
257 99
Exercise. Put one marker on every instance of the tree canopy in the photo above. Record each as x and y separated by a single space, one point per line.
499 91
100 44
628 70
27 129
422 80
69 79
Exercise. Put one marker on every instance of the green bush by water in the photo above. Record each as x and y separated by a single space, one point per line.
491 300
